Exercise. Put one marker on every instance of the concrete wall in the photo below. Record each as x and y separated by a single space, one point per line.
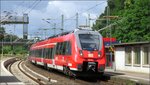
119 58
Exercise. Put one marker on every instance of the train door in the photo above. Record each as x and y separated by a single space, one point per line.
53 56
42 57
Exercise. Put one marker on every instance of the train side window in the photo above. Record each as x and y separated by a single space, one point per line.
68 48
43 53
40 53
64 48
30 52
57 48
61 48
50 53
47 53
35 53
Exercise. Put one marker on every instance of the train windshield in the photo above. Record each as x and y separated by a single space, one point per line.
89 42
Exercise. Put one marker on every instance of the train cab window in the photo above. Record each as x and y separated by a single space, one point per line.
89 42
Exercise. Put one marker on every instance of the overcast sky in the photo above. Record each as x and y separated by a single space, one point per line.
38 10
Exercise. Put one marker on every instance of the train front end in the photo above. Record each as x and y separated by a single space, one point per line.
89 54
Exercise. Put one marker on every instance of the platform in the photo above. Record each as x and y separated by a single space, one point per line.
6 78
133 76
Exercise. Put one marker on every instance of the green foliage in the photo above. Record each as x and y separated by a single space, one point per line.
14 50
7 50
136 23
2 31
5 37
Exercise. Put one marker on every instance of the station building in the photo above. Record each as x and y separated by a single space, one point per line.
134 57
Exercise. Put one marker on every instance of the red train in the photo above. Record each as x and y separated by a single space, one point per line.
80 52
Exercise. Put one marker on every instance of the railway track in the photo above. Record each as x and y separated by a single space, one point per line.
16 69
65 80
31 74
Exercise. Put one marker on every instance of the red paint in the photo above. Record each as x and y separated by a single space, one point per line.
109 39
75 58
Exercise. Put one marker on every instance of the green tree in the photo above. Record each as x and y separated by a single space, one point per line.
136 20
2 32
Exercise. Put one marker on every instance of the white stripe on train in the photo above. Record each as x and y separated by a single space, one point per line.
54 66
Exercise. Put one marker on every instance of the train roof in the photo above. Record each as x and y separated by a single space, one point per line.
65 33
62 34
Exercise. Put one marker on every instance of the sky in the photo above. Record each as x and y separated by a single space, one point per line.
38 10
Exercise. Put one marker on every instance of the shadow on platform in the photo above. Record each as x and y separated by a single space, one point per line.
8 79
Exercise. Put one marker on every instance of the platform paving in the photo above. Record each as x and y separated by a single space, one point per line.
6 78
134 76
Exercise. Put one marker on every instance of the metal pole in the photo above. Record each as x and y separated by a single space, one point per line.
108 19
77 20
62 23
89 20
54 28
2 47
86 21
11 43
107 22
14 24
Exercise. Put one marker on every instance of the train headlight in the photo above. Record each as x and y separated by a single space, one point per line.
99 54
81 53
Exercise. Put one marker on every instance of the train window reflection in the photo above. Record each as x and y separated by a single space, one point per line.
89 42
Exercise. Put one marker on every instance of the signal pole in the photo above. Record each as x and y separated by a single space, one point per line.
77 20
62 23
54 28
